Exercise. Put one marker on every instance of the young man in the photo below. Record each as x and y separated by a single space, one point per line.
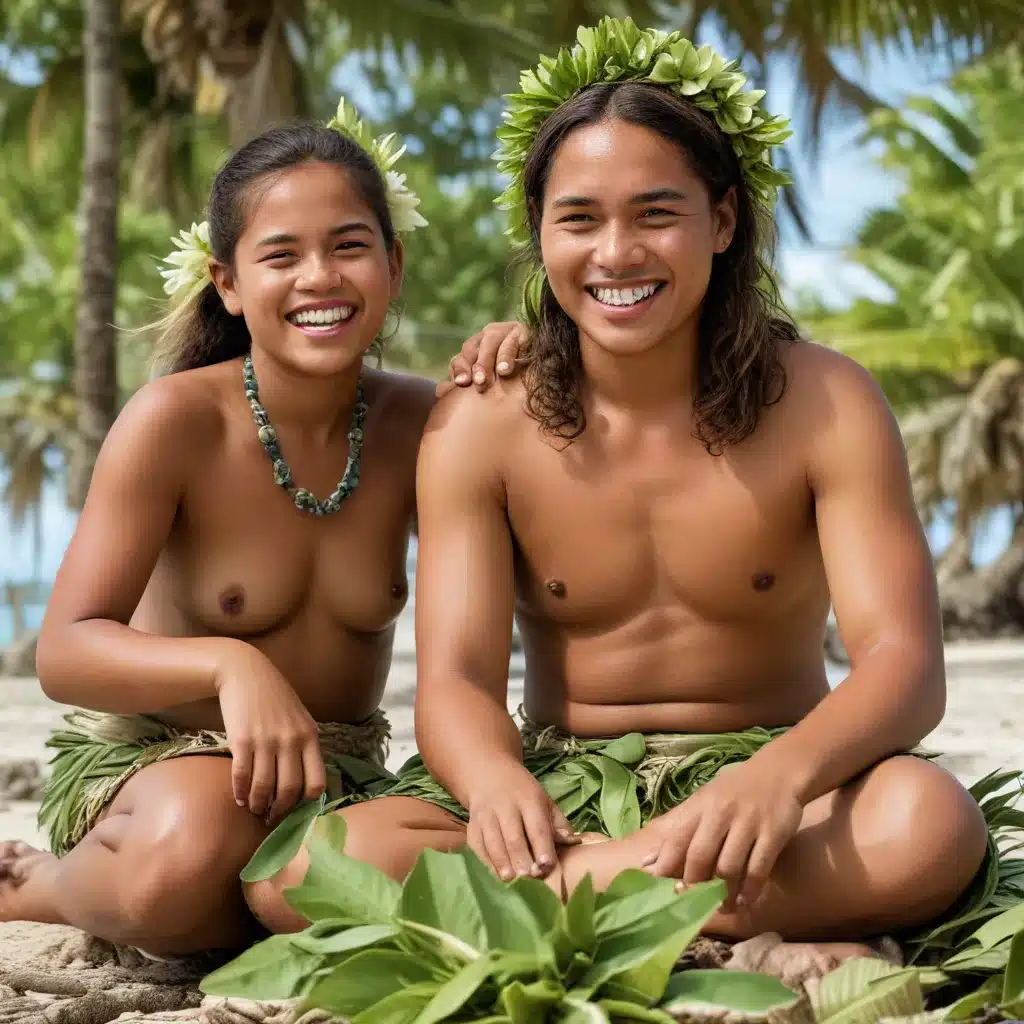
668 500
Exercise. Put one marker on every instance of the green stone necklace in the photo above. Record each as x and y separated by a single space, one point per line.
306 501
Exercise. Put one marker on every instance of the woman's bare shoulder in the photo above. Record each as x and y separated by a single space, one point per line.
404 399
190 406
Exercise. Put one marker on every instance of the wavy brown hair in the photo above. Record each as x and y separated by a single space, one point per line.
742 323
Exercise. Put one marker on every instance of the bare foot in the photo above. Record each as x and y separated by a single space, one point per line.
26 884
794 962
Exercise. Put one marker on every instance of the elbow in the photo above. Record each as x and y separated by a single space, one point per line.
928 674
52 669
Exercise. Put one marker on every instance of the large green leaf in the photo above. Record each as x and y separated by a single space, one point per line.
439 894
709 990
281 846
365 979
457 991
862 991
273 969
507 920
338 886
628 947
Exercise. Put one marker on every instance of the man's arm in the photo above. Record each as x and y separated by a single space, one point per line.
465 589
464 597
882 580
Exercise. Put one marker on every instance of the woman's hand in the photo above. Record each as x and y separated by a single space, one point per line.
493 350
275 746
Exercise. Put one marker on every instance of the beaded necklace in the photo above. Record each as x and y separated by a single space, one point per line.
305 500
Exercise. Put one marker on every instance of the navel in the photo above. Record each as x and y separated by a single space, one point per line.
556 587
232 600
763 581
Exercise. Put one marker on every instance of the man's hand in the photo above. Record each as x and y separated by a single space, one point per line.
492 350
733 828
514 826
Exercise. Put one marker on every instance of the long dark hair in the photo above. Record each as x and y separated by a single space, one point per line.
743 322
202 332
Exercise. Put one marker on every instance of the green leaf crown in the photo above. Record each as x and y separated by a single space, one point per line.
617 51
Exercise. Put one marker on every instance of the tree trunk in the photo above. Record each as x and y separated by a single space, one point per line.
989 601
95 373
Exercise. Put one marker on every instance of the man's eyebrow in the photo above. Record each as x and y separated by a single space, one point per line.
657 195
562 201
341 229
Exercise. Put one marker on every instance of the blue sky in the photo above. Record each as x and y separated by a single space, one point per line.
844 182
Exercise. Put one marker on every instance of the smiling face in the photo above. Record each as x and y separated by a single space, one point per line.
311 273
628 233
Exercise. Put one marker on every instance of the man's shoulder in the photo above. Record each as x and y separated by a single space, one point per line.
481 413
822 383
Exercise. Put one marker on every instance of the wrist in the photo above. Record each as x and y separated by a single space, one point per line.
793 774
223 657
483 783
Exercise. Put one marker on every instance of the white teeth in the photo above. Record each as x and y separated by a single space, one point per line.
320 317
623 296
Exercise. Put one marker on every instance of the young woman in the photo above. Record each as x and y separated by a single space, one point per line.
213 602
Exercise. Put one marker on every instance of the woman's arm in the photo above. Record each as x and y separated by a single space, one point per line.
88 655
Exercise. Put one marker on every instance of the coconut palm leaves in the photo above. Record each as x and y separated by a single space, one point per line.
948 347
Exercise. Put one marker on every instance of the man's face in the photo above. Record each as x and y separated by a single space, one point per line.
628 233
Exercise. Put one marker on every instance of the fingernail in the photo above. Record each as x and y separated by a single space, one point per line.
545 860
507 876
462 378
479 378
241 803
648 860
503 367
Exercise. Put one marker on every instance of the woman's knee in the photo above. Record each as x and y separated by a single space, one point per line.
178 852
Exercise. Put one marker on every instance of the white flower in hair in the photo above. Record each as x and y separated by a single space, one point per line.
402 201
189 265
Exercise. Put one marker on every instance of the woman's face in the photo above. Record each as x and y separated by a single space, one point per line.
311 273
628 233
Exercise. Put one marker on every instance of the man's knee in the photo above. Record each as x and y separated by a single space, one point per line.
936 831
391 832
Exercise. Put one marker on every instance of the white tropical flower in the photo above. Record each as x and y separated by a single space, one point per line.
190 264
402 203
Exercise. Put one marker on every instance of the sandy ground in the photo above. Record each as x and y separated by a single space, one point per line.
983 728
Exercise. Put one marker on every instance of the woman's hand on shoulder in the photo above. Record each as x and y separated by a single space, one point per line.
275 744
488 353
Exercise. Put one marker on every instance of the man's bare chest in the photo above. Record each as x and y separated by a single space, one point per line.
726 540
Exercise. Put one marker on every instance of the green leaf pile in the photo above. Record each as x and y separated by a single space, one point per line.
455 944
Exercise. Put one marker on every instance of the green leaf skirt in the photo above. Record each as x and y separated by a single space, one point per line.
97 753
614 786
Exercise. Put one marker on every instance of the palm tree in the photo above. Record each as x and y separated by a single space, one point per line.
95 349
949 346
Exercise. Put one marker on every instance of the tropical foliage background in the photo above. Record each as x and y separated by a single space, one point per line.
113 116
